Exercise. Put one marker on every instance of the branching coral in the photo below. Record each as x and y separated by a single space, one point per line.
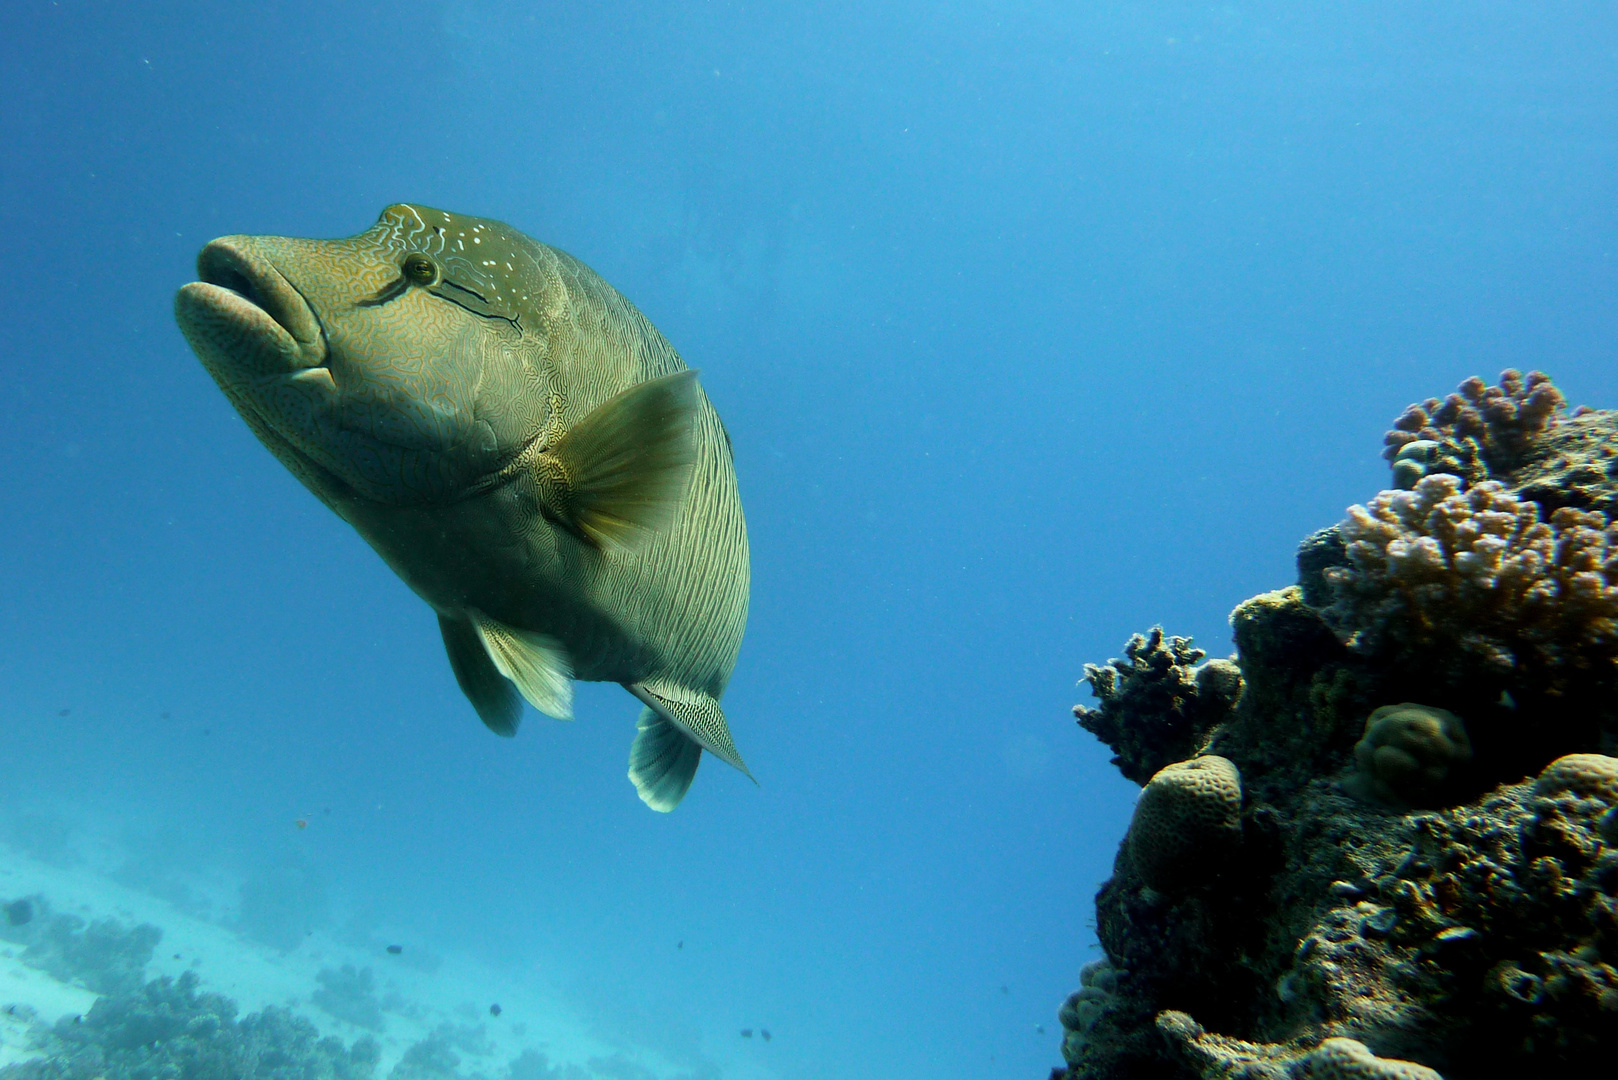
1476 432
1474 582
1157 702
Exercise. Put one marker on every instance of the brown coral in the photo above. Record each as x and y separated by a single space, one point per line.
1187 818
1407 753
1479 430
1589 776
1157 702
1477 573
1348 1059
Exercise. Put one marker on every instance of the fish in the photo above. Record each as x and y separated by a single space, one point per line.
518 443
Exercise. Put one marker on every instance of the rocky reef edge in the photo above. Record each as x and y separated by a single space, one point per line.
1381 840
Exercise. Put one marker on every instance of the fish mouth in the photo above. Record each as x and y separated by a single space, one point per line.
245 318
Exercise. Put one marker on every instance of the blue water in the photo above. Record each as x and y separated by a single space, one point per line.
1032 326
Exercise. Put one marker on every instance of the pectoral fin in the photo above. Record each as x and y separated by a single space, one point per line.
620 474
694 713
536 663
663 761
491 693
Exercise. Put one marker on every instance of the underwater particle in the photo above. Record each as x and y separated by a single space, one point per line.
680 945
764 1033
20 912
494 1010
1004 989
1187 818
1350 1059
302 823
163 716
1589 776
1407 752
1039 1029
177 956
63 712
395 950
747 1033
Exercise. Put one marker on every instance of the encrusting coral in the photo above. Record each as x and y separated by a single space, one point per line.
1346 937
1187 819
1407 753
1347 1059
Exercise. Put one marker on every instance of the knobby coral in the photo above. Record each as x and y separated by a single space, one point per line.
1475 579
1476 432
1407 752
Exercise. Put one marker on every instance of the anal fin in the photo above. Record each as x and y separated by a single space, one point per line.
662 761
491 693
695 713
537 663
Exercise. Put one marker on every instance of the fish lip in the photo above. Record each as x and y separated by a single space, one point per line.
238 282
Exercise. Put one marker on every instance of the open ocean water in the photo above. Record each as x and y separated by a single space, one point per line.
1033 325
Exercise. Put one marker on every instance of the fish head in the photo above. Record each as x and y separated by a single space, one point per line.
402 365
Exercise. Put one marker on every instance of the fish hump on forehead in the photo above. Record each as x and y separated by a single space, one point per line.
484 265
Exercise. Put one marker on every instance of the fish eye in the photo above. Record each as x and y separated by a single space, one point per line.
420 268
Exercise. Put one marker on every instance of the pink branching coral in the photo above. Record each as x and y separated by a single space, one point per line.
1440 574
1478 430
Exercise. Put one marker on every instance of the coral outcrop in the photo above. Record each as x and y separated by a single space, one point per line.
1157 702
1407 754
105 956
1405 891
349 994
1186 821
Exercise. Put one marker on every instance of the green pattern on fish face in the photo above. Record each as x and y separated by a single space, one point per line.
424 368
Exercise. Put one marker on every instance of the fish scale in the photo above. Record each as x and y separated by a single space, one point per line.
519 444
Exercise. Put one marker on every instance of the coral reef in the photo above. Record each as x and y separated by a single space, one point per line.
1470 594
1476 432
1187 819
281 902
349 994
1461 921
105 956
168 1030
1158 702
